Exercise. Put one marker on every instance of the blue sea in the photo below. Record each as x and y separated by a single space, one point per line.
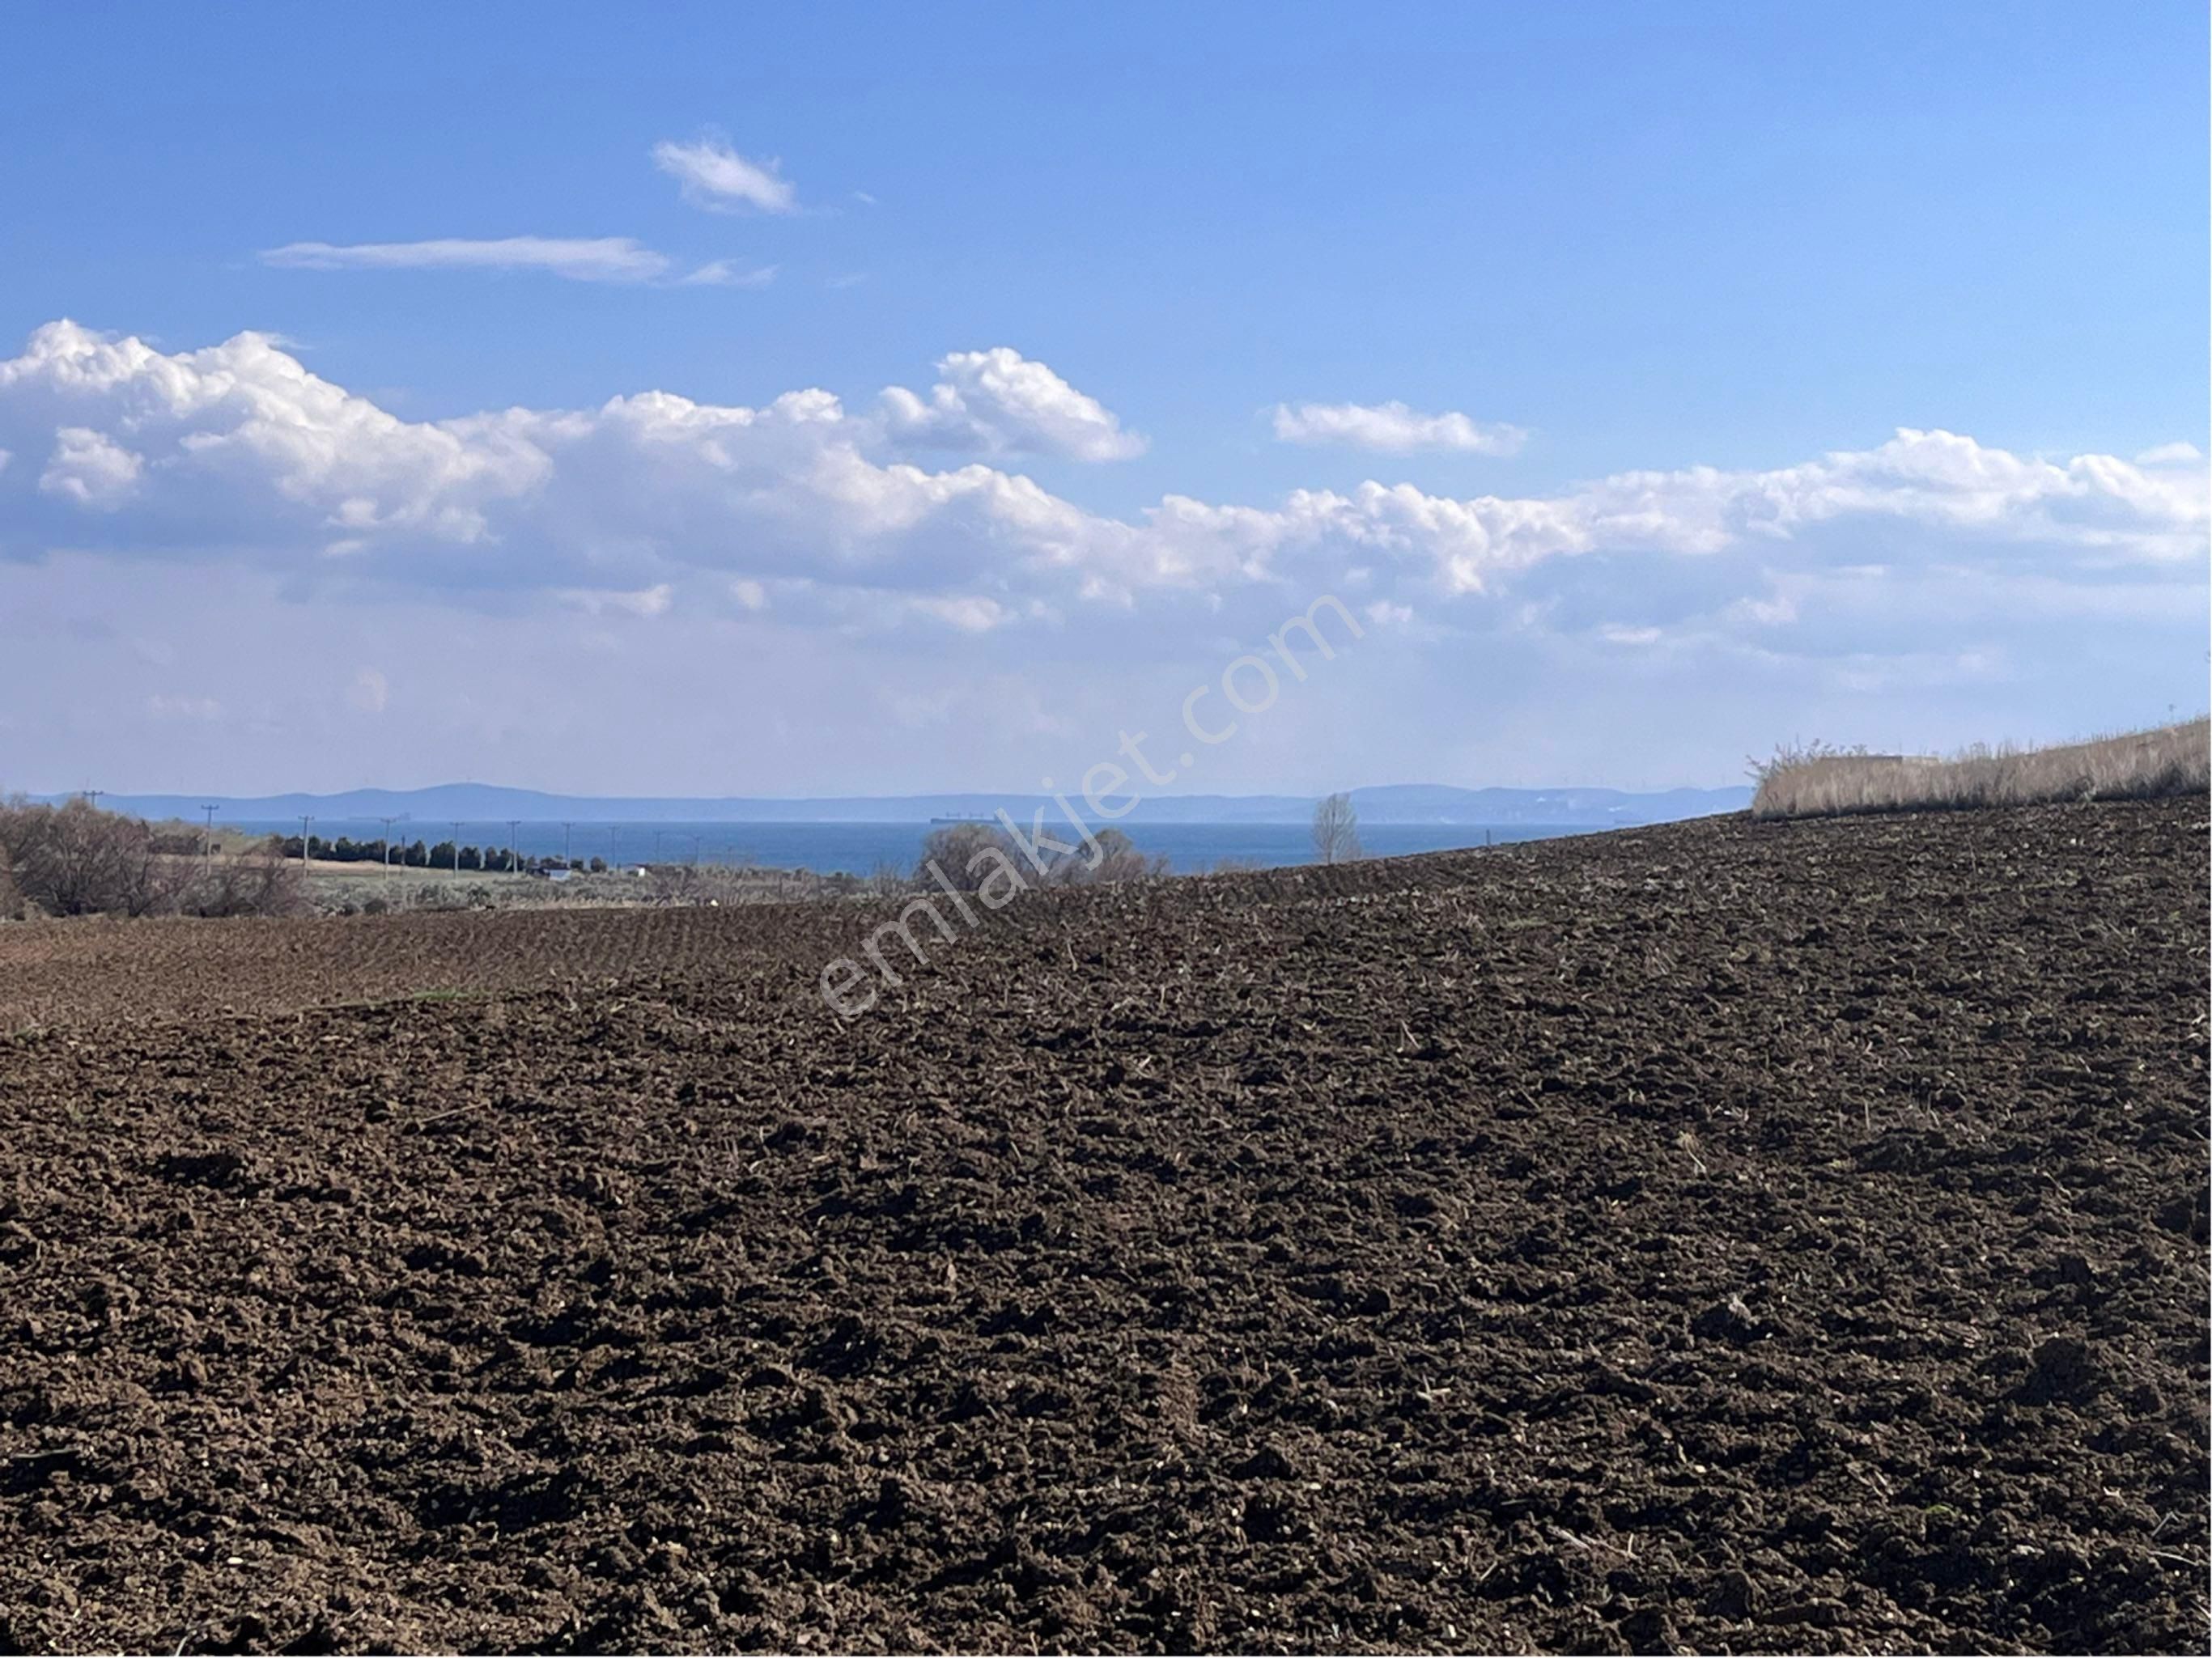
859 848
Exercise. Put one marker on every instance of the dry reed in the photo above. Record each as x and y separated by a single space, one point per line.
1817 780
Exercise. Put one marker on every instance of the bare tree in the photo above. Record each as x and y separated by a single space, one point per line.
954 849
1335 830
75 860
1116 860
257 883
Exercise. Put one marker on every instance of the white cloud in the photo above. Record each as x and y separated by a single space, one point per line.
237 451
2170 455
998 402
644 602
968 613
369 692
1778 611
91 469
1384 614
716 176
727 273
239 442
1392 428
586 259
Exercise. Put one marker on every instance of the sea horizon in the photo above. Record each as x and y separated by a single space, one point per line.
836 847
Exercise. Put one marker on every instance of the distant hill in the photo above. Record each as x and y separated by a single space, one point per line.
482 802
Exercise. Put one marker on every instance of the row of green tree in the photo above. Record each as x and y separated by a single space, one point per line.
421 855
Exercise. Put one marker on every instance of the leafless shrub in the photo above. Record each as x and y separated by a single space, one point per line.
1117 859
260 883
672 883
742 883
1335 830
955 848
75 859
1817 780
959 850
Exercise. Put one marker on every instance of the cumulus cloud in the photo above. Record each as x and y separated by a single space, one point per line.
712 175
584 260
239 443
998 402
1392 428
655 502
2170 455
91 469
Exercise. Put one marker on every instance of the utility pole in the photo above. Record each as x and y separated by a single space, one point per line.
656 845
695 852
457 846
388 823
91 797
305 819
565 859
513 864
207 843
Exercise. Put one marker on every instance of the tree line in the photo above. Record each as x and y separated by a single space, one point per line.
421 855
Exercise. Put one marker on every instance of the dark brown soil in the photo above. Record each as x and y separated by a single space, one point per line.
1727 1235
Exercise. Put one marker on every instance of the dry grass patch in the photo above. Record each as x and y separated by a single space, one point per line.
1818 781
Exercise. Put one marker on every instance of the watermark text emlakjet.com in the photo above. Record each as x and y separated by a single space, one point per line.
1248 687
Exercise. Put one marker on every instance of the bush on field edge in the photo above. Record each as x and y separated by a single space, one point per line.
75 860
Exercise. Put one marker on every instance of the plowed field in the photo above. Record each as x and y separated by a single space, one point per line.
1726 1236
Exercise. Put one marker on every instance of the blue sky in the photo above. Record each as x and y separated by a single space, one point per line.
1568 346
